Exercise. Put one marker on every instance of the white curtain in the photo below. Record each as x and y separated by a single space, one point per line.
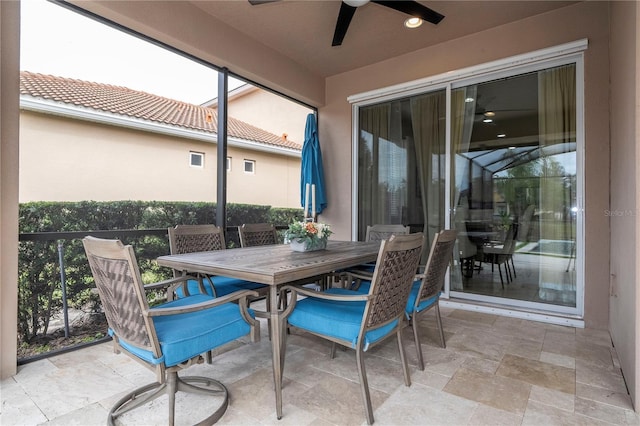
427 120
374 125
463 108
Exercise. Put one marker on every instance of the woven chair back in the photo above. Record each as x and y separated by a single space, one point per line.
119 285
384 232
436 268
194 238
257 234
392 279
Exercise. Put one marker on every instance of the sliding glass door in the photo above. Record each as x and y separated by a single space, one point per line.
514 187
496 158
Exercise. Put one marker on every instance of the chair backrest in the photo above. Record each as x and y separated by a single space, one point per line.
436 267
193 238
396 267
257 234
121 291
384 232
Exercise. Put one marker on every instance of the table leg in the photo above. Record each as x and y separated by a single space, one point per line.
276 347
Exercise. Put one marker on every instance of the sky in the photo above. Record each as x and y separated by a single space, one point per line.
63 43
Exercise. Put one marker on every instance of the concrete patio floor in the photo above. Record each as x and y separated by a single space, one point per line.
494 371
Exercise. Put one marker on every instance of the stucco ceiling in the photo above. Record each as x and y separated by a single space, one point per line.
303 30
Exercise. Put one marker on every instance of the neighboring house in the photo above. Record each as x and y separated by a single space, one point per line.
266 110
91 141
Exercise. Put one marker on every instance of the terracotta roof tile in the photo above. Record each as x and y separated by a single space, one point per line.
132 103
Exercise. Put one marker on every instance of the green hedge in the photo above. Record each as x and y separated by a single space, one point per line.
39 289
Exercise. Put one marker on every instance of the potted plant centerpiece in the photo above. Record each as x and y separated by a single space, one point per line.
308 236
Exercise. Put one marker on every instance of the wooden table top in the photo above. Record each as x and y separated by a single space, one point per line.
274 265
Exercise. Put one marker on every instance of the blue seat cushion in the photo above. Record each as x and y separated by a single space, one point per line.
337 319
365 286
427 303
223 285
184 336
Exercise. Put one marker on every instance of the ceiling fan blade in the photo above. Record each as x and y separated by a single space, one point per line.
413 8
344 19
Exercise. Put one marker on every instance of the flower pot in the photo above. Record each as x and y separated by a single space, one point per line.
308 245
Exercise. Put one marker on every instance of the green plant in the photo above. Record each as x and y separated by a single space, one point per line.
39 280
308 232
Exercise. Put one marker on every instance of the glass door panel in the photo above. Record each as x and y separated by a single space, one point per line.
513 144
401 164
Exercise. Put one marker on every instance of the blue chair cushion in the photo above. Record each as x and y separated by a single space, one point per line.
184 336
427 303
366 285
337 319
223 285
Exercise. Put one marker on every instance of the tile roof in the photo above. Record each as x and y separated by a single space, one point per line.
132 103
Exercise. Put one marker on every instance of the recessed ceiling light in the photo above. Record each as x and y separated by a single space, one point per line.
356 3
502 135
489 114
413 22
487 120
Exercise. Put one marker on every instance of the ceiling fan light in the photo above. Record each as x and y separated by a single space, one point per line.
356 3
413 22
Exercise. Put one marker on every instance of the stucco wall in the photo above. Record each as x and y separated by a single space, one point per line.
625 176
271 112
62 159
583 20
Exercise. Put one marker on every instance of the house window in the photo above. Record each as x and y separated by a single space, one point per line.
249 166
228 166
196 159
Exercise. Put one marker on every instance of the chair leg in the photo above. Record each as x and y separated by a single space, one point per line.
416 339
403 358
513 266
172 388
364 386
440 329
171 385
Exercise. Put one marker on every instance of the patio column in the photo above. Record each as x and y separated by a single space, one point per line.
9 138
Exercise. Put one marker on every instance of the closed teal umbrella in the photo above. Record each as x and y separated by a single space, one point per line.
312 172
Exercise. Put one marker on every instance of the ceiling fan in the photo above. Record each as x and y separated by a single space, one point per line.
348 9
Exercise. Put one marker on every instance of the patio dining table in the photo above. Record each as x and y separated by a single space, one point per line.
275 266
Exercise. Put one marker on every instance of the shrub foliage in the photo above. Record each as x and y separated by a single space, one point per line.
39 280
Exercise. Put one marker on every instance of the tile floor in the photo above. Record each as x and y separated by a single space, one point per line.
494 371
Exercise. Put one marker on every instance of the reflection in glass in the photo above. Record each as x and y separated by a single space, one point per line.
514 188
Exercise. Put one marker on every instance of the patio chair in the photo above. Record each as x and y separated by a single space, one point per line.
425 292
501 253
257 234
196 238
377 232
468 250
165 338
361 321
384 232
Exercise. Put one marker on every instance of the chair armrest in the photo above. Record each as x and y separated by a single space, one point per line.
318 295
238 295
326 296
168 283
